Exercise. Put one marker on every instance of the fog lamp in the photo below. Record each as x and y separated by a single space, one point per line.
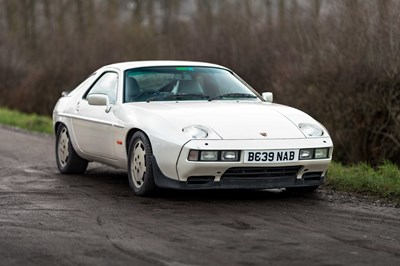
321 153
229 155
209 156
306 154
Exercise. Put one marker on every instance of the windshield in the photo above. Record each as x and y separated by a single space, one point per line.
184 84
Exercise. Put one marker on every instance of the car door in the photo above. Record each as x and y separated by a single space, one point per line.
93 125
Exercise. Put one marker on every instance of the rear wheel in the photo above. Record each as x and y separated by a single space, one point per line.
68 161
140 171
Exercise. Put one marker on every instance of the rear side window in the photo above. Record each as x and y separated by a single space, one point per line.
107 84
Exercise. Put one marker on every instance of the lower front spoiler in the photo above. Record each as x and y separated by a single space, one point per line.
163 181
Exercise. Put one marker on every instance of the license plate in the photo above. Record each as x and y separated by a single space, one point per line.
271 156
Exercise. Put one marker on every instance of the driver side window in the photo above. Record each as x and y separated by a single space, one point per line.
107 84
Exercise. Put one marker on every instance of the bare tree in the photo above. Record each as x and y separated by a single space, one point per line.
340 65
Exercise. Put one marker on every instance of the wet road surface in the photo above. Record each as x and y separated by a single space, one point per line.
93 219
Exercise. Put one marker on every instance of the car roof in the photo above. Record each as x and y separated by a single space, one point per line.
155 63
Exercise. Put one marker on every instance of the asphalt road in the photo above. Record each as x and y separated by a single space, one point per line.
51 219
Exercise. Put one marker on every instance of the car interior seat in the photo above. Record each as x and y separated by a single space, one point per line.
190 87
131 89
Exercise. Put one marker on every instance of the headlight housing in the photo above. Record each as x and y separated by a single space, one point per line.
311 130
196 132
314 153
218 156
306 154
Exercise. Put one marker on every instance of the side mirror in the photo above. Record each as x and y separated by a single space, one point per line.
268 96
98 99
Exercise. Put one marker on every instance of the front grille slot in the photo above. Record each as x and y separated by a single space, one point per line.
261 172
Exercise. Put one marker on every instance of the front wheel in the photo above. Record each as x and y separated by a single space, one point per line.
68 161
140 171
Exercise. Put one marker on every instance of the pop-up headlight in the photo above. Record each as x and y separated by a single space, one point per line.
311 130
196 132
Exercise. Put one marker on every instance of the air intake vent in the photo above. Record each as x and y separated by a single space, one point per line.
198 180
312 176
261 172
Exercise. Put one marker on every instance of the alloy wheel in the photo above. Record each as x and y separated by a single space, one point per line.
138 164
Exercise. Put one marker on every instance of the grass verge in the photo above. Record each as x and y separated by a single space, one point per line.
382 181
31 122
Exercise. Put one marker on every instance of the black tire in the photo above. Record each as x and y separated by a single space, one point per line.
68 161
140 171
303 190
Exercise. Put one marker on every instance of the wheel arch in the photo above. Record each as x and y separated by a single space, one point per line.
129 136
56 126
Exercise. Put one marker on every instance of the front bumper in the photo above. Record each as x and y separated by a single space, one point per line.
230 183
240 175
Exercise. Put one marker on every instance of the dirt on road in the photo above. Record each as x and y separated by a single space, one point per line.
94 219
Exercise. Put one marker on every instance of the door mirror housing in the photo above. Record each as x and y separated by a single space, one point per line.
268 96
98 99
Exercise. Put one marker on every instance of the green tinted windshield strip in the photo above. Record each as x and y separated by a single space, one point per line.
185 68
135 73
170 69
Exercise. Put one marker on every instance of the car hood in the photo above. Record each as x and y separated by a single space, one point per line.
229 120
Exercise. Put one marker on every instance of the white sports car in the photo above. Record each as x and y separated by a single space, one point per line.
187 125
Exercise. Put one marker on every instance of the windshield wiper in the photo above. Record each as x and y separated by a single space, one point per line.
143 93
179 96
233 95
